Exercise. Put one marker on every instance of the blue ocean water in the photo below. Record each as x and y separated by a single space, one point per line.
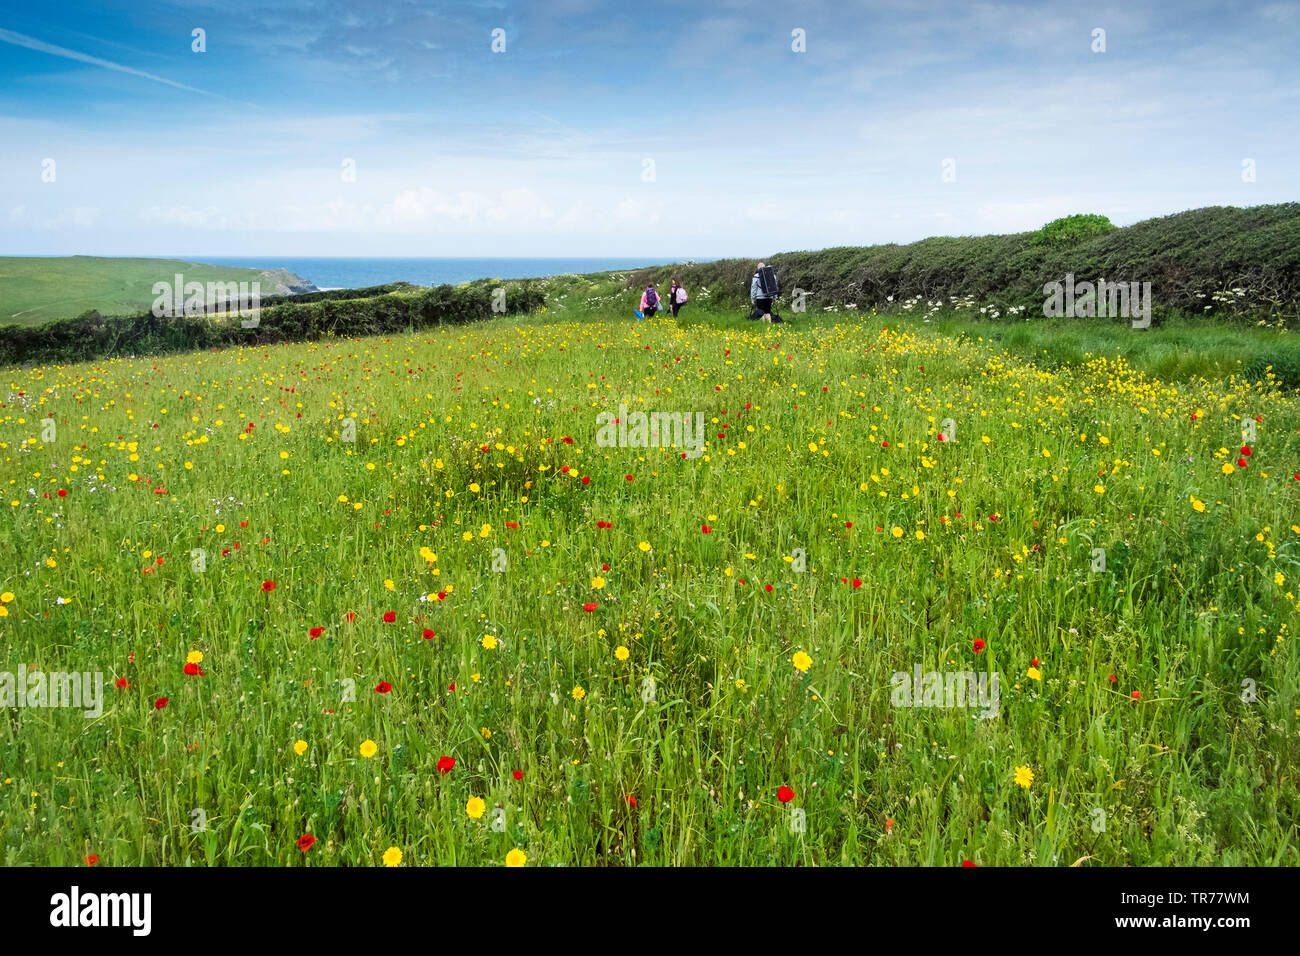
358 273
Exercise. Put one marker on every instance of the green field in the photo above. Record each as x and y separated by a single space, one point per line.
635 658
35 290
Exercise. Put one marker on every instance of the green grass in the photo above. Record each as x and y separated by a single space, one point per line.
995 542
37 290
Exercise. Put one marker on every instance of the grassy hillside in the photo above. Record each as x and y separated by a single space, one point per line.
37 290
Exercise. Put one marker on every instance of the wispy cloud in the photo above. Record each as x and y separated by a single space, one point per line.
31 43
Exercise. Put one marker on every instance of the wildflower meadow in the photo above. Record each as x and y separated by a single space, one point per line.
917 600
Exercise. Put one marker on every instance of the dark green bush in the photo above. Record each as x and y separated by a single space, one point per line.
92 336
1186 257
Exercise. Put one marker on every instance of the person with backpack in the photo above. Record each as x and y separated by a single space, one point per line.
649 301
763 290
677 296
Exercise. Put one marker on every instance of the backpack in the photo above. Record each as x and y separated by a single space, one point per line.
651 298
767 283
682 297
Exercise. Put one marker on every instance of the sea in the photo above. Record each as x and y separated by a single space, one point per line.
359 273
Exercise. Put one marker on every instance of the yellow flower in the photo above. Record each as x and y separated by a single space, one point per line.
300 747
475 807
644 545
1227 468
474 487
389 584
392 856
220 528
1024 777
6 597
579 693
489 642
897 532
1279 579
920 535
194 657
484 531
621 652
1034 674
369 748
597 582
516 858
801 662
1197 504
1100 489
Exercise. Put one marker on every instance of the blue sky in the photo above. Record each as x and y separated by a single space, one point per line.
543 149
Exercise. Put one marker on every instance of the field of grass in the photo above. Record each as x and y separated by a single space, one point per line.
36 290
476 636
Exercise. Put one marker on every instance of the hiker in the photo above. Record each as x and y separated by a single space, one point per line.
649 301
677 296
763 290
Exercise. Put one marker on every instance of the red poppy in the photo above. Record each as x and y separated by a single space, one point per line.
978 644
784 794
705 529
848 524
967 863
390 617
384 687
1112 679
445 764
63 493
768 588
429 635
586 480
452 687
631 800
518 775
268 585
1245 450
590 606
194 670
1033 662
316 632
1241 463
1136 695
122 683
350 616
160 703
857 582
305 841
889 824
628 477
92 859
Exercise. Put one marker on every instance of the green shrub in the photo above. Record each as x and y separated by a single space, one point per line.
1070 229
92 336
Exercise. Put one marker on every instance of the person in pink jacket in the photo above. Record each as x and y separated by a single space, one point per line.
649 301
